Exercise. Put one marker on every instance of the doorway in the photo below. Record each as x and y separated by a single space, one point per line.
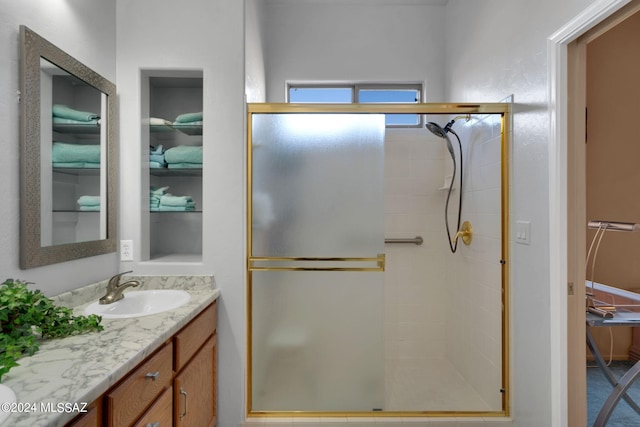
572 164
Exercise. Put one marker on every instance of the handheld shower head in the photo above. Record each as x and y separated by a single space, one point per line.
438 131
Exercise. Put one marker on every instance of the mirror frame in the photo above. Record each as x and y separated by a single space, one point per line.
32 253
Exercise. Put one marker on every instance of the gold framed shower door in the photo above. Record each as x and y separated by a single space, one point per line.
254 263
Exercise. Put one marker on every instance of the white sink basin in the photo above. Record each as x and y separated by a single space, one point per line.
6 395
140 303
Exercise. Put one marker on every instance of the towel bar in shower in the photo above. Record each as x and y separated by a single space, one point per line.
416 240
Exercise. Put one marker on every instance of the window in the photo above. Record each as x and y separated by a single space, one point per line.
363 94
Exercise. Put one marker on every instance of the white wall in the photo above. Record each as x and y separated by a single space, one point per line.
356 40
496 48
255 89
85 30
208 36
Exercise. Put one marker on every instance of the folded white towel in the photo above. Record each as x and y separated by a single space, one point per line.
156 121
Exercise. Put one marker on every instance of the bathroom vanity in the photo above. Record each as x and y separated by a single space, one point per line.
138 371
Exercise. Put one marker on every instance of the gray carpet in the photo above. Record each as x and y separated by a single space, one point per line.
598 389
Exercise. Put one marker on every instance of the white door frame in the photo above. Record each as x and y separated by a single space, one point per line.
557 63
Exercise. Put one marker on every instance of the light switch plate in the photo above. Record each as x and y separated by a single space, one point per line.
523 232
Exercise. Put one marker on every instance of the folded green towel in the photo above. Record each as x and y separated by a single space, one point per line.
63 121
158 158
90 208
156 165
64 152
189 117
156 149
178 125
184 165
171 200
184 154
157 191
65 112
173 208
89 201
76 165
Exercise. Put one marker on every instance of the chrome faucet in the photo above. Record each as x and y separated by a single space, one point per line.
115 288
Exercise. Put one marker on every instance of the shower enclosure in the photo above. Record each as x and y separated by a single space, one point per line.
342 323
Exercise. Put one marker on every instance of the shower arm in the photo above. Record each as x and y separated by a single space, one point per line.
466 118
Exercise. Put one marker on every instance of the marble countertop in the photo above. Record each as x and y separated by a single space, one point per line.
66 373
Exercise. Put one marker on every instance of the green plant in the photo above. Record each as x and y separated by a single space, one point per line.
25 314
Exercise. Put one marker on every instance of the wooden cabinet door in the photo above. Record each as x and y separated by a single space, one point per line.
93 417
195 389
161 412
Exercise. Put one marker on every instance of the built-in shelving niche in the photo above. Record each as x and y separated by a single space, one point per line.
171 236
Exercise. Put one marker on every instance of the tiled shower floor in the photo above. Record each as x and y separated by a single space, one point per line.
428 385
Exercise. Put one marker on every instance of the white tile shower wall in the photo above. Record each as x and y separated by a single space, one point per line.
473 274
414 277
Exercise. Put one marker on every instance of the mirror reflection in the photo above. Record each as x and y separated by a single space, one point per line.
71 199
68 157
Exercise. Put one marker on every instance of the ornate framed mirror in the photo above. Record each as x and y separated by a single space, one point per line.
68 161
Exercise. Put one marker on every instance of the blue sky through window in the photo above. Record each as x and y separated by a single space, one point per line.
392 96
342 95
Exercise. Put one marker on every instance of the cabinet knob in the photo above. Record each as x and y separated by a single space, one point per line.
153 376
156 424
184 393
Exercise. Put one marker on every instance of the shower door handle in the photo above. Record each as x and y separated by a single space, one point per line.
376 263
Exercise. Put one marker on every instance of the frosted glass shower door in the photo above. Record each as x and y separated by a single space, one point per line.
315 262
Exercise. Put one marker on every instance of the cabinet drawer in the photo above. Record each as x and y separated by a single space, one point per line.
192 336
161 412
128 400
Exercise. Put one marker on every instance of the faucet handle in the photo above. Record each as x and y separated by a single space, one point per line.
116 279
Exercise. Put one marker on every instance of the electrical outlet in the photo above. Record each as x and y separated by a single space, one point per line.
126 250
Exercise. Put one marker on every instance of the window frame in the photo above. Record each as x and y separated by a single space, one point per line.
355 94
